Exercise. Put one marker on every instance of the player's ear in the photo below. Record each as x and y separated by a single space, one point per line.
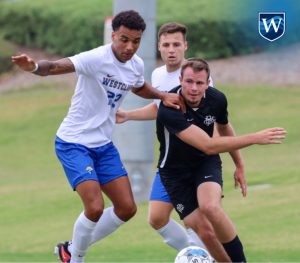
186 45
180 80
113 35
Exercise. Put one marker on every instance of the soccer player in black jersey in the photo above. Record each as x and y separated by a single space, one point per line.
189 164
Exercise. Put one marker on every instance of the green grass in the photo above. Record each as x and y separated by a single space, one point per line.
267 218
38 208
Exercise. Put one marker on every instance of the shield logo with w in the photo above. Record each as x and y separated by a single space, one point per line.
271 26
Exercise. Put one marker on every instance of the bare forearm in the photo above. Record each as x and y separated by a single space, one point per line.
149 112
169 99
230 144
196 137
43 67
148 92
237 158
200 140
61 66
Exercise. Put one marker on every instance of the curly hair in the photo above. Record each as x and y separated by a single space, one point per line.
130 19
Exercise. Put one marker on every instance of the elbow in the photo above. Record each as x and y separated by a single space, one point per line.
135 91
209 150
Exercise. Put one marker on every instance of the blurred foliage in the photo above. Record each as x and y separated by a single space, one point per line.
6 50
64 28
215 29
213 39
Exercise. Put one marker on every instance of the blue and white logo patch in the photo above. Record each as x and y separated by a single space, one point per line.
271 25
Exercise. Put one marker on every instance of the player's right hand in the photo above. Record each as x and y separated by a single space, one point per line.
24 62
271 136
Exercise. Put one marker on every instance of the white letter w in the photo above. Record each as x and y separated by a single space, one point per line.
267 27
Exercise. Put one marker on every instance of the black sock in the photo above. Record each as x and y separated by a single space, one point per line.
235 251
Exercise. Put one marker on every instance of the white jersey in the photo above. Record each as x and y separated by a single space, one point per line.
165 81
103 82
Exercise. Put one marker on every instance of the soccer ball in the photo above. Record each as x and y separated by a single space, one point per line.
193 254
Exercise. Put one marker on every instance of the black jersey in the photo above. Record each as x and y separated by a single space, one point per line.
175 153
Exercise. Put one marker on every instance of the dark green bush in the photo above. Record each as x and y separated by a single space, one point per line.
68 27
53 30
215 39
6 51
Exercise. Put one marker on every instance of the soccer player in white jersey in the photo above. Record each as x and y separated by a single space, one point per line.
172 45
83 144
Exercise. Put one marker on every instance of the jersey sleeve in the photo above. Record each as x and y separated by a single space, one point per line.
172 119
87 62
140 82
222 116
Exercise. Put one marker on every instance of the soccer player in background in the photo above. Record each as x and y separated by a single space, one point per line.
83 144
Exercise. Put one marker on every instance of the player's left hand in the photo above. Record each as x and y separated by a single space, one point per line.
173 100
240 180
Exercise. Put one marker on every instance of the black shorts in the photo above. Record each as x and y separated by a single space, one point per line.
181 184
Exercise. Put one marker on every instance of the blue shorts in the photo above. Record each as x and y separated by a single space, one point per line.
159 192
102 164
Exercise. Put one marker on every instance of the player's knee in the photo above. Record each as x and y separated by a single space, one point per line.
126 212
157 221
207 235
211 210
94 211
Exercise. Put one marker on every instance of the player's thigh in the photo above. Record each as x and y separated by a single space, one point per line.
119 192
209 194
209 181
91 196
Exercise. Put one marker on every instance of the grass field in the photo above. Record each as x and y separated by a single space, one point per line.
38 208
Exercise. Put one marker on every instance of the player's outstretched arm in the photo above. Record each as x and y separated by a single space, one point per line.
196 137
43 67
149 112
172 100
